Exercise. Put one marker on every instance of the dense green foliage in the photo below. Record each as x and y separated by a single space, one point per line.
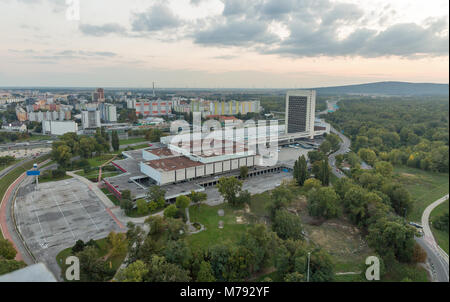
441 222
403 131
70 145
7 255
6 160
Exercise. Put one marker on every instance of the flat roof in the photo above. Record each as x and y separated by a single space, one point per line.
172 163
223 147
33 273
163 152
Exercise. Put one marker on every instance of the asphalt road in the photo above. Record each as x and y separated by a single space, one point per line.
437 258
344 146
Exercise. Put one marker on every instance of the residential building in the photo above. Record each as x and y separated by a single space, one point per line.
90 119
21 114
59 127
108 112
150 107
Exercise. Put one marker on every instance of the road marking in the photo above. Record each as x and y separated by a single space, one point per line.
39 221
64 216
73 193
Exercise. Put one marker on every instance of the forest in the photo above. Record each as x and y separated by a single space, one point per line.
408 131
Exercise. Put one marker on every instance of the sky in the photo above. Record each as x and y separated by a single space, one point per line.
222 43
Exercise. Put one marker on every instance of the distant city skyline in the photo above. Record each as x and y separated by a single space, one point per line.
222 43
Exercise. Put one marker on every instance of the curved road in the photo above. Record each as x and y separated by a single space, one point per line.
344 147
437 258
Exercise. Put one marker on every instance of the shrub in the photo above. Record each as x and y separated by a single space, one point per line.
171 211
152 206
58 173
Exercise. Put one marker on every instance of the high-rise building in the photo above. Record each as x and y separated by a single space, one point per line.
98 95
108 112
90 119
300 111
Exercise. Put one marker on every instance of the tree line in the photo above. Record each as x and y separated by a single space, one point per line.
403 131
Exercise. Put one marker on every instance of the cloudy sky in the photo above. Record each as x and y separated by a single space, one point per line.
222 43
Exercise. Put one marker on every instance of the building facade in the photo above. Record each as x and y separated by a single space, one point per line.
300 111
90 119
59 127
108 112
150 107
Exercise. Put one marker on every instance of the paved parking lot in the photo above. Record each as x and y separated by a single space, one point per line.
288 155
254 185
57 215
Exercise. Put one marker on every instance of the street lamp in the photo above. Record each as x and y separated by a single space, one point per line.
307 275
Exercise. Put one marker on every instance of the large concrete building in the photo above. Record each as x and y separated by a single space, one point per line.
90 119
108 112
150 107
300 112
59 127
98 95
172 163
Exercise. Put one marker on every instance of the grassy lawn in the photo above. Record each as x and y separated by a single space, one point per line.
259 203
49 164
37 137
9 178
111 196
54 179
399 271
425 188
440 236
99 160
10 164
103 250
208 216
133 140
94 174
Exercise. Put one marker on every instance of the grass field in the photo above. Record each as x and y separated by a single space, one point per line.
54 179
425 188
99 160
9 178
209 217
440 236
103 250
133 140
111 196
94 174
10 164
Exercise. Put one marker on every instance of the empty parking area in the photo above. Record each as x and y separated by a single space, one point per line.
57 215
255 185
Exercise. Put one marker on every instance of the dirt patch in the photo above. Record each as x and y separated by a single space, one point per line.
240 220
247 208
408 175
338 237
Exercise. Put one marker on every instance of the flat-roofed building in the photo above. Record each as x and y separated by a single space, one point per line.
59 127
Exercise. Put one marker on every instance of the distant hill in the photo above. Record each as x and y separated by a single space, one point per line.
388 88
